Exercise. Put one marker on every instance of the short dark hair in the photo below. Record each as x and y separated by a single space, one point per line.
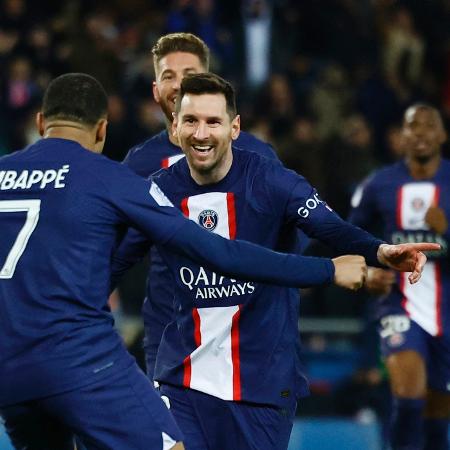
207 83
76 97
181 42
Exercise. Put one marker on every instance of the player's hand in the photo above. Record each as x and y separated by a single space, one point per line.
379 281
436 220
406 257
350 271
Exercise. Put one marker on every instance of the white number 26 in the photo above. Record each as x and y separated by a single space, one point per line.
32 208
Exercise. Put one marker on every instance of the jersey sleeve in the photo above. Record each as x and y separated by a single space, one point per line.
311 214
245 260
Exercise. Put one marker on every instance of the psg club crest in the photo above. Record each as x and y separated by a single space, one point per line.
208 219
417 204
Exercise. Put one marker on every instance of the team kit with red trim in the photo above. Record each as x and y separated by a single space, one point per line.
416 318
145 159
234 344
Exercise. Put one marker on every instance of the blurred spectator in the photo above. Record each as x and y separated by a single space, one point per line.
257 26
330 100
93 51
119 138
19 94
149 120
395 143
350 158
277 103
302 151
14 15
403 52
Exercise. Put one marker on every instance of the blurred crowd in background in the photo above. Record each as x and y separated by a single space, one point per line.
324 81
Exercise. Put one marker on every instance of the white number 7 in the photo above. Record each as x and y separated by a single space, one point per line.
32 208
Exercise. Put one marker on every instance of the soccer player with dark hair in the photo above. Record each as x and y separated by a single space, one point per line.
63 367
412 200
228 362
174 56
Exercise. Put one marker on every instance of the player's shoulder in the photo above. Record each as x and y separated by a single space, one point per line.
264 171
386 174
247 141
445 163
173 175
147 147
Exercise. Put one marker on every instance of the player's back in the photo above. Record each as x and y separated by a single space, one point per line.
57 236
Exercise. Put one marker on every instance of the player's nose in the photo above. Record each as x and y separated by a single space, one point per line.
202 131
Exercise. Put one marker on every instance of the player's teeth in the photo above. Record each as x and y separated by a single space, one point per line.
202 148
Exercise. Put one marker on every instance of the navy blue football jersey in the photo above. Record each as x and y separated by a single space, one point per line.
234 339
62 209
145 159
400 202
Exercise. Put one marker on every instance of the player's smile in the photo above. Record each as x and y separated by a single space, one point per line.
203 149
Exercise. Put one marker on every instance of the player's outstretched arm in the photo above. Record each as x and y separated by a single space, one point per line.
406 257
244 260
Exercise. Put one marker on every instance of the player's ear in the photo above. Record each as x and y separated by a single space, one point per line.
235 127
40 125
156 95
100 135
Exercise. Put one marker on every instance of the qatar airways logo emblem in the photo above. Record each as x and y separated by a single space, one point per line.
208 219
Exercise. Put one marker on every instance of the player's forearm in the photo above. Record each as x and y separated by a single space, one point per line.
244 260
346 238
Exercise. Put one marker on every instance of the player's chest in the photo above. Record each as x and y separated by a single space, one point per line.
231 214
404 206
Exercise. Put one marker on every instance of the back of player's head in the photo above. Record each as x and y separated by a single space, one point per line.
181 42
75 97
208 83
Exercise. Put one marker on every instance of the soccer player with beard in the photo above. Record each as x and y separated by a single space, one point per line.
412 199
229 361
175 55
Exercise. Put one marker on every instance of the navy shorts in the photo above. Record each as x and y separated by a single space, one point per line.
210 423
123 411
398 333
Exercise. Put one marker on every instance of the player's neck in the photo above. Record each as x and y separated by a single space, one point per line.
423 170
72 132
214 175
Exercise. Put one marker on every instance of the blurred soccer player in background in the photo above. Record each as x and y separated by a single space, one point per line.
412 199
234 345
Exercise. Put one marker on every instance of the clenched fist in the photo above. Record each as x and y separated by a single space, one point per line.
379 281
350 271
